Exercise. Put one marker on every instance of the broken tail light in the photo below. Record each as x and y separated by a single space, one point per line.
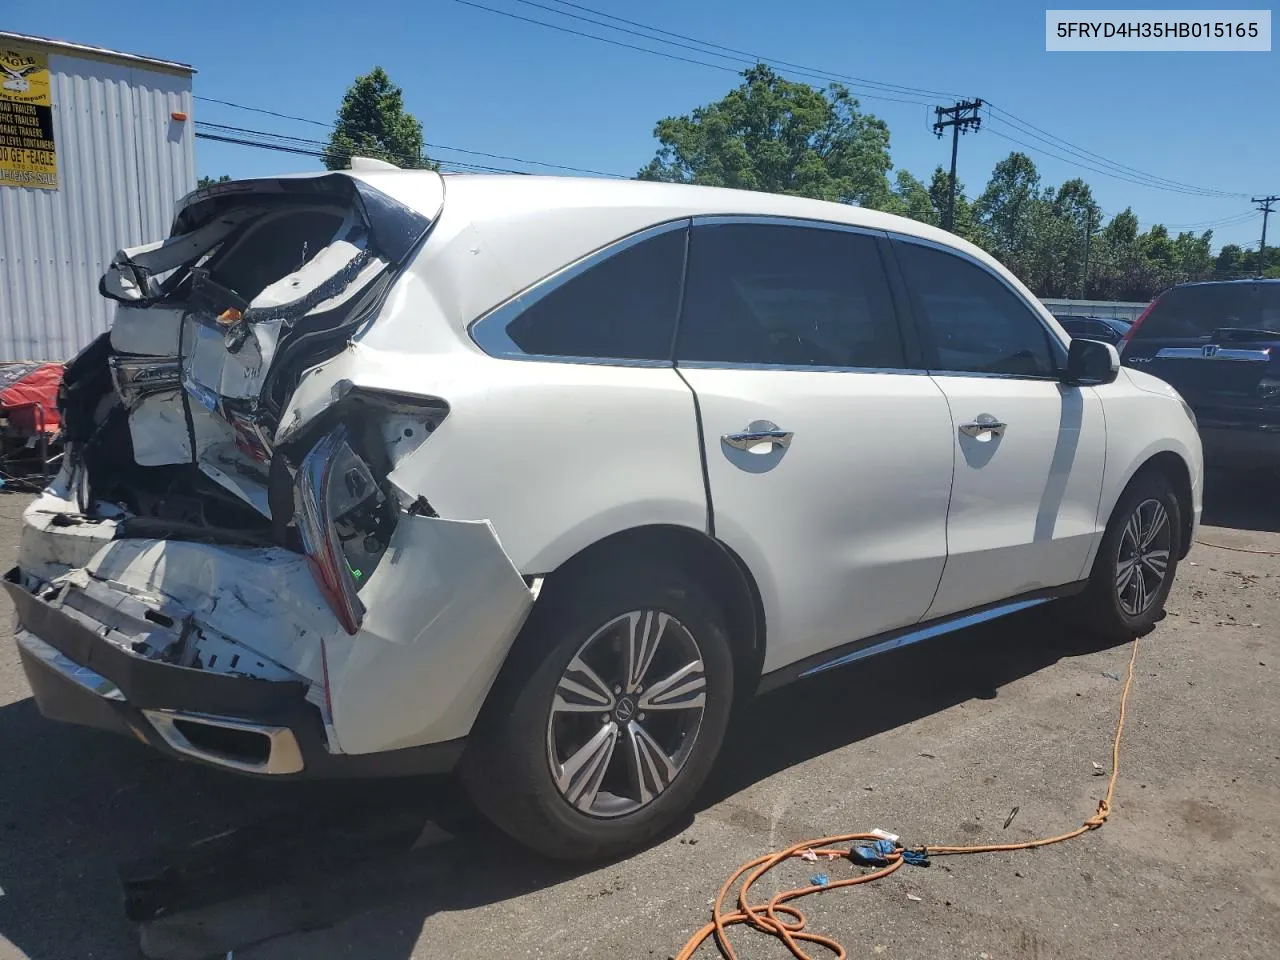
338 502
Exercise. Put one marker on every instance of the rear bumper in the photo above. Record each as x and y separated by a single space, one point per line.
1236 446
251 726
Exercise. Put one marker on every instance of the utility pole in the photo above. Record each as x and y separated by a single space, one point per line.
1088 232
1264 204
960 118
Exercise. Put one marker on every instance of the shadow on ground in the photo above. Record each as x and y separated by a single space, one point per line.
76 804
1243 500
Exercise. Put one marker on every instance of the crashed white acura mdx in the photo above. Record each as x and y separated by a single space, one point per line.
384 472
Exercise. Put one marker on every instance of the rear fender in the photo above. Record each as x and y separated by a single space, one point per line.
443 609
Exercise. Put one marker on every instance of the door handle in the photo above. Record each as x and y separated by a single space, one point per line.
984 424
755 435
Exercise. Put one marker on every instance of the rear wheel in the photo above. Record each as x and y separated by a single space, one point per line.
1137 560
607 719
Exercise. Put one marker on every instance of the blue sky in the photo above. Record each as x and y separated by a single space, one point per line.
490 83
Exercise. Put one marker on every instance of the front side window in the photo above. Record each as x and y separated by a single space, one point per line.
974 322
787 295
620 308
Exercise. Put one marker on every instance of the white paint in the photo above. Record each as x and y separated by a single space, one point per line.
1024 505
444 606
845 529
876 505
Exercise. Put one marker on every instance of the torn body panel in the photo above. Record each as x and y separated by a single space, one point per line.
445 606
214 324
195 546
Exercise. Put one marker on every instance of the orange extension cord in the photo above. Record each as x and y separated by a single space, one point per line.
1223 546
787 923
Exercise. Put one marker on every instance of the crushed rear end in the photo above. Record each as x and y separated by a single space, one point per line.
248 593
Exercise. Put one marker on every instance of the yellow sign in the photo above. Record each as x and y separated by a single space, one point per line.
27 154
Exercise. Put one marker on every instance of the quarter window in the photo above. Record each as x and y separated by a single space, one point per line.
621 308
787 295
974 322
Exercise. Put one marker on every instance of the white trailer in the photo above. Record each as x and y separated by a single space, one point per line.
96 146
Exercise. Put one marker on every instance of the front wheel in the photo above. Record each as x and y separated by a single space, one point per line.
1137 560
608 718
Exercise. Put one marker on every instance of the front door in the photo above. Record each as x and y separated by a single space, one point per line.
828 464
1029 449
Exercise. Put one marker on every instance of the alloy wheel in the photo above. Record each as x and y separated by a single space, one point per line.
1142 558
626 714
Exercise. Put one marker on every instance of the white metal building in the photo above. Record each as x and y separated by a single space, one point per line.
96 147
1120 309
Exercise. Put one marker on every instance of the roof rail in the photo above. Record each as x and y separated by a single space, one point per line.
370 163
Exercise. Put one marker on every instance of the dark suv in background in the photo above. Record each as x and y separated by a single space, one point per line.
1218 344
1107 329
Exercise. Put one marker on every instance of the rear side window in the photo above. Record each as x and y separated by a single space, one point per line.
1197 312
974 322
787 295
621 308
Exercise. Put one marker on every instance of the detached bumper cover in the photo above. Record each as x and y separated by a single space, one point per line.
78 677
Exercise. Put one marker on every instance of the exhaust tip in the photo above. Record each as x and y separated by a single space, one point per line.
228 742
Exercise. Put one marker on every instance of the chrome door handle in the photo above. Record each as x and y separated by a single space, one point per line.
754 437
984 424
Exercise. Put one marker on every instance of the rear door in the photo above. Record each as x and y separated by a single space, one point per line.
829 465
1217 344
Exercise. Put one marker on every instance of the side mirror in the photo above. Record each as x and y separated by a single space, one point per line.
1091 363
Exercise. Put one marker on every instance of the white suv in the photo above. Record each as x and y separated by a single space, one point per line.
381 472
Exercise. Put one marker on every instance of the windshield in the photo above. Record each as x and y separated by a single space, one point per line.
1196 312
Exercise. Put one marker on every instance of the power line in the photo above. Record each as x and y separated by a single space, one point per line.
1230 221
269 113
432 146
1031 130
1135 175
755 57
650 50
318 151
1100 170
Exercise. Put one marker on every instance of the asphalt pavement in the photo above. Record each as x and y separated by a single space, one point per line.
105 847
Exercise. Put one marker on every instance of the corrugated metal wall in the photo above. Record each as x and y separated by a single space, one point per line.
122 164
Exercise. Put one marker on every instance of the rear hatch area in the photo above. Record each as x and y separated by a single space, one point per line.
218 586
1218 345
258 281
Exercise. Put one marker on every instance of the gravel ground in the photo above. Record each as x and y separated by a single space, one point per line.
938 743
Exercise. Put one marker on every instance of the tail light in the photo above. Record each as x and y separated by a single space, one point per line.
344 517
336 498
1133 329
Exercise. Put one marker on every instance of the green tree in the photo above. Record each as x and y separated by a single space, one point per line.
372 122
1229 261
1194 260
1006 210
911 199
964 224
210 181
1074 216
775 135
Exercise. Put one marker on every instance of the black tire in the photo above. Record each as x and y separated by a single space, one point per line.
507 768
1104 606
